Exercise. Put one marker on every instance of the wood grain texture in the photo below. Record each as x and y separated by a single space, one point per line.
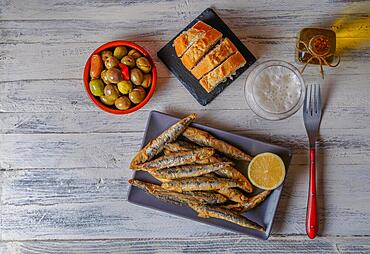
90 203
72 30
340 92
335 119
214 244
63 162
60 61
173 11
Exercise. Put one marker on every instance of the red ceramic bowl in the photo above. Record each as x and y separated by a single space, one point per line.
96 100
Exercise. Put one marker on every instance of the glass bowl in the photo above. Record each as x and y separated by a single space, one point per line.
274 90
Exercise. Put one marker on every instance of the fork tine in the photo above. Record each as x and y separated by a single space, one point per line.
318 99
310 107
305 101
314 98
306 98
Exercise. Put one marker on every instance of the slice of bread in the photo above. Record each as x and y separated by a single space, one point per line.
192 56
214 58
222 72
189 37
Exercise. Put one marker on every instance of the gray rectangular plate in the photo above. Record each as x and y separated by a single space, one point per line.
263 214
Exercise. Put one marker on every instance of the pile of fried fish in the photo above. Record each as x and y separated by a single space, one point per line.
198 173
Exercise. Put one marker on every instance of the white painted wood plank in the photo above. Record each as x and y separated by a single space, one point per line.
238 120
91 203
65 61
115 149
1 205
171 10
339 91
59 151
159 28
214 244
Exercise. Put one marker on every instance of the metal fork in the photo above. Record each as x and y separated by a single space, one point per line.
312 119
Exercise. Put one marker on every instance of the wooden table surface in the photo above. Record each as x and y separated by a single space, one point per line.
64 162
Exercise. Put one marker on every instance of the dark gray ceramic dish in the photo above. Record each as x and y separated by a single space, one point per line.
168 56
262 214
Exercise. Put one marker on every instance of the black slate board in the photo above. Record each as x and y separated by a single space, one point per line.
168 56
263 214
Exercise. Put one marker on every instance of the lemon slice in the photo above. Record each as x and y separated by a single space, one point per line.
266 171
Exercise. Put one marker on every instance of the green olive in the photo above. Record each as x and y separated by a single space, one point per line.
147 80
136 76
137 95
143 64
111 62
111 91
134 53
123 103
105 54
129 61
125 86
107 100
96 87
103 76
114 75
120 52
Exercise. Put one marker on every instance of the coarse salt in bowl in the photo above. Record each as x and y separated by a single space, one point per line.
274 90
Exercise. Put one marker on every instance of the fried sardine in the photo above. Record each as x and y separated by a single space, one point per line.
248 204
206 211
203 138
234 195
177 159
156 146
233 173
202 183
179 198
192 170
179 146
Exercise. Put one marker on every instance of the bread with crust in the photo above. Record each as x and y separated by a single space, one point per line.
222 72
189 37
195 53
214 58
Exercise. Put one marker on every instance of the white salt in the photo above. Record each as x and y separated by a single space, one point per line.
277 89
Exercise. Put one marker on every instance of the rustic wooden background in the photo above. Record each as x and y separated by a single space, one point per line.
63 178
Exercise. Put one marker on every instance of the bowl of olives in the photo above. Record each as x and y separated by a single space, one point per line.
120 77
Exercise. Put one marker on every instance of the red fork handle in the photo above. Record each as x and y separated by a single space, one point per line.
311 217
